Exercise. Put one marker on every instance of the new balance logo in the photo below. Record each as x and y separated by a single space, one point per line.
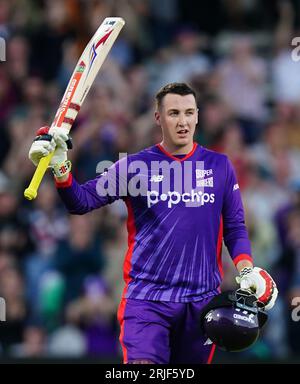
208 342
157 178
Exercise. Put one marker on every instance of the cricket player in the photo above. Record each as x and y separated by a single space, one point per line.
183 200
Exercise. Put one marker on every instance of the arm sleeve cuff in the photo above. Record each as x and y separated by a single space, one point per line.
64 184
241 257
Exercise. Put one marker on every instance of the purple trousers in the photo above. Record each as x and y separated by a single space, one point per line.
163 332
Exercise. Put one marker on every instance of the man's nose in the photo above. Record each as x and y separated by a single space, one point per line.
182 120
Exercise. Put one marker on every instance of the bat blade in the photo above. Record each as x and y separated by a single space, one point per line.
78 87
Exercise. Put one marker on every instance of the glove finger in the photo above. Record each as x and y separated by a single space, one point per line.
39 144
64 136
45 152
36 157
39 151
60 135
245 284
61 141
50 146
272 301
62 145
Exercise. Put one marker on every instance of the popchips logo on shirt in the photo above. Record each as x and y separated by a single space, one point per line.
174 198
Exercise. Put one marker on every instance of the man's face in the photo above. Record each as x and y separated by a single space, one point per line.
178 117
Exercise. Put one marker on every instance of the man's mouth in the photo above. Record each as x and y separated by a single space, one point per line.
183 132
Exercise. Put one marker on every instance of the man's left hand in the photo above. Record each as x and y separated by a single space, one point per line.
260 283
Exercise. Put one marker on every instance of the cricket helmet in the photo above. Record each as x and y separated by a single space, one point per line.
233 319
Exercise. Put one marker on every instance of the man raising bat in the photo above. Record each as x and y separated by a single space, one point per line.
188 202
77 89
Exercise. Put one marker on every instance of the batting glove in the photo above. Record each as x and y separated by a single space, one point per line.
47 141
260 283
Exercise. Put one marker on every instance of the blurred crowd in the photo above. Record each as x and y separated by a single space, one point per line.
61 275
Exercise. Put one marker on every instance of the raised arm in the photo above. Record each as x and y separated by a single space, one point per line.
78 199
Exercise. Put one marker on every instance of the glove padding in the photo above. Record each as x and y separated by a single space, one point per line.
260 283
47 141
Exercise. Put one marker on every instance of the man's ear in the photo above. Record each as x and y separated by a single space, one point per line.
157 117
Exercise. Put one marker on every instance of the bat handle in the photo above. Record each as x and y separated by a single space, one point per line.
30 193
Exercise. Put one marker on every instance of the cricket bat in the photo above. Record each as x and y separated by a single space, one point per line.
78 87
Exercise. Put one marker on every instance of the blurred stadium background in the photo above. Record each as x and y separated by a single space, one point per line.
61 276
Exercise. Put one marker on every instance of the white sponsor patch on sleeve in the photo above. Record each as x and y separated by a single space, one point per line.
206 182
235 187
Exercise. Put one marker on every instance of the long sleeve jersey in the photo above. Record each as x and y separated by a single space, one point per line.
180 209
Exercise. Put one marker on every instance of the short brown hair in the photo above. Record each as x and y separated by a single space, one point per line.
181 89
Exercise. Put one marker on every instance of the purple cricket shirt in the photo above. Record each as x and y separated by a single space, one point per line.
176 223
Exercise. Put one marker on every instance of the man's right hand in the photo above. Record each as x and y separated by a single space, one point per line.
46 141
51 140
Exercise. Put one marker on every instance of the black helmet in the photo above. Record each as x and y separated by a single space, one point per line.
232 320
